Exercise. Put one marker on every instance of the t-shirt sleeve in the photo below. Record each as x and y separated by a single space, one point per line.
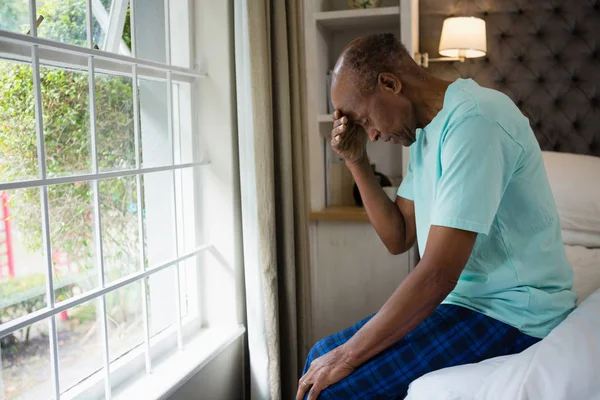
478 160
406 187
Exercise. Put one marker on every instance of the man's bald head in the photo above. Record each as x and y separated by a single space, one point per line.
366 57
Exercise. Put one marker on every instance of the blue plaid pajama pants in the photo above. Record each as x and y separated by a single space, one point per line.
452 335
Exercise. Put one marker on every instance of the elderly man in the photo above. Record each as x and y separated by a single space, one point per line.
493 277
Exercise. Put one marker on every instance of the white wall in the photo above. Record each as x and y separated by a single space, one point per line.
221 269
221 379
352 274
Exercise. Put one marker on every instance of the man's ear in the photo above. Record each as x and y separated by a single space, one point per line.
389 81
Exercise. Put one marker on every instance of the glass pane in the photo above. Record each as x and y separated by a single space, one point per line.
64 21
156 140
183 275
179 26
150 30
14 15
186 210
25 372
119 222
162 307
159 227
22 262
186 224
101 16
66 121
18 155
114 122
72 238
182 123
189 288
80 351
125 319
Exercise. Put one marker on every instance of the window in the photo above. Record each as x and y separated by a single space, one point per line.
99 170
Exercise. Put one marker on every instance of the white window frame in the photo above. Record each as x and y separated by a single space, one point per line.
33 48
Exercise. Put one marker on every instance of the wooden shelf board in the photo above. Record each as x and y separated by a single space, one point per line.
340 213
362 18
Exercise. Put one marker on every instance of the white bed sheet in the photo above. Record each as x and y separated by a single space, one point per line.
456 383
586 268
464 382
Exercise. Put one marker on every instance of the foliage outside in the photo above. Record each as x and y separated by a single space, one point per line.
67 138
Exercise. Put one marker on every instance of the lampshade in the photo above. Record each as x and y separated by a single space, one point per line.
463 37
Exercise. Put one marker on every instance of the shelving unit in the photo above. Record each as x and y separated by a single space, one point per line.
340 213
345 250
358 19
329 27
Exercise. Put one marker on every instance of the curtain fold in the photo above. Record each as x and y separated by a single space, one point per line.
272 148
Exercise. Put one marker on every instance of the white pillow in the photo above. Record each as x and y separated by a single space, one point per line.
586 270
575 183
563 366
581 238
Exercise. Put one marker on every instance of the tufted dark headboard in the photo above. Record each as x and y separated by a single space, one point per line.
544 54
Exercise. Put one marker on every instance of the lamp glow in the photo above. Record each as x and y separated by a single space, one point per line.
463 37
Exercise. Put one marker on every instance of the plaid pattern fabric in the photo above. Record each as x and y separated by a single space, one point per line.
452 335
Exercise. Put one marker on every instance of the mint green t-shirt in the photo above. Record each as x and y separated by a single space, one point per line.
478 167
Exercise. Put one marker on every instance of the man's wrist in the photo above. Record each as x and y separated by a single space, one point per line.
349 355
362 162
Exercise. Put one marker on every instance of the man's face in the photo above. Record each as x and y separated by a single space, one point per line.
385 114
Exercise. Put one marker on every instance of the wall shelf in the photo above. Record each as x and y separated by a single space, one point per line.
340 214
358 19
329 28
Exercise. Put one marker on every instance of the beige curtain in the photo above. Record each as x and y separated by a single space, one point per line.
272 142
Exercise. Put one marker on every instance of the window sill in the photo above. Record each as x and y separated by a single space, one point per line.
174 370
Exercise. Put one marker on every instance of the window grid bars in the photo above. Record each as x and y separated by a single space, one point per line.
97 222
140 205
22 322
66 48
99 293
132 28
88 24
175 225
167 32
172 136
41 155
32 18
99 176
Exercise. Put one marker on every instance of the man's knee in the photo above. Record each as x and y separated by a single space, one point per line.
317 351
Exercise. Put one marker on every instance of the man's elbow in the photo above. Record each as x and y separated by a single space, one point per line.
399 246
396 248
441 281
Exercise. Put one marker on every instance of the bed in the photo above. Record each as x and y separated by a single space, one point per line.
545 56
566 364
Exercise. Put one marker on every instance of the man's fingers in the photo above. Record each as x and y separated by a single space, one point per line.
335 142
303 387
340 121
337 114
315 391
339 130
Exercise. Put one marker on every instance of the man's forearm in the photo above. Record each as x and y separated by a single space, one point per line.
412 302
383 213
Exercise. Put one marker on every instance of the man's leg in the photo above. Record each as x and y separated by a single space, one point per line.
451 336
324 346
